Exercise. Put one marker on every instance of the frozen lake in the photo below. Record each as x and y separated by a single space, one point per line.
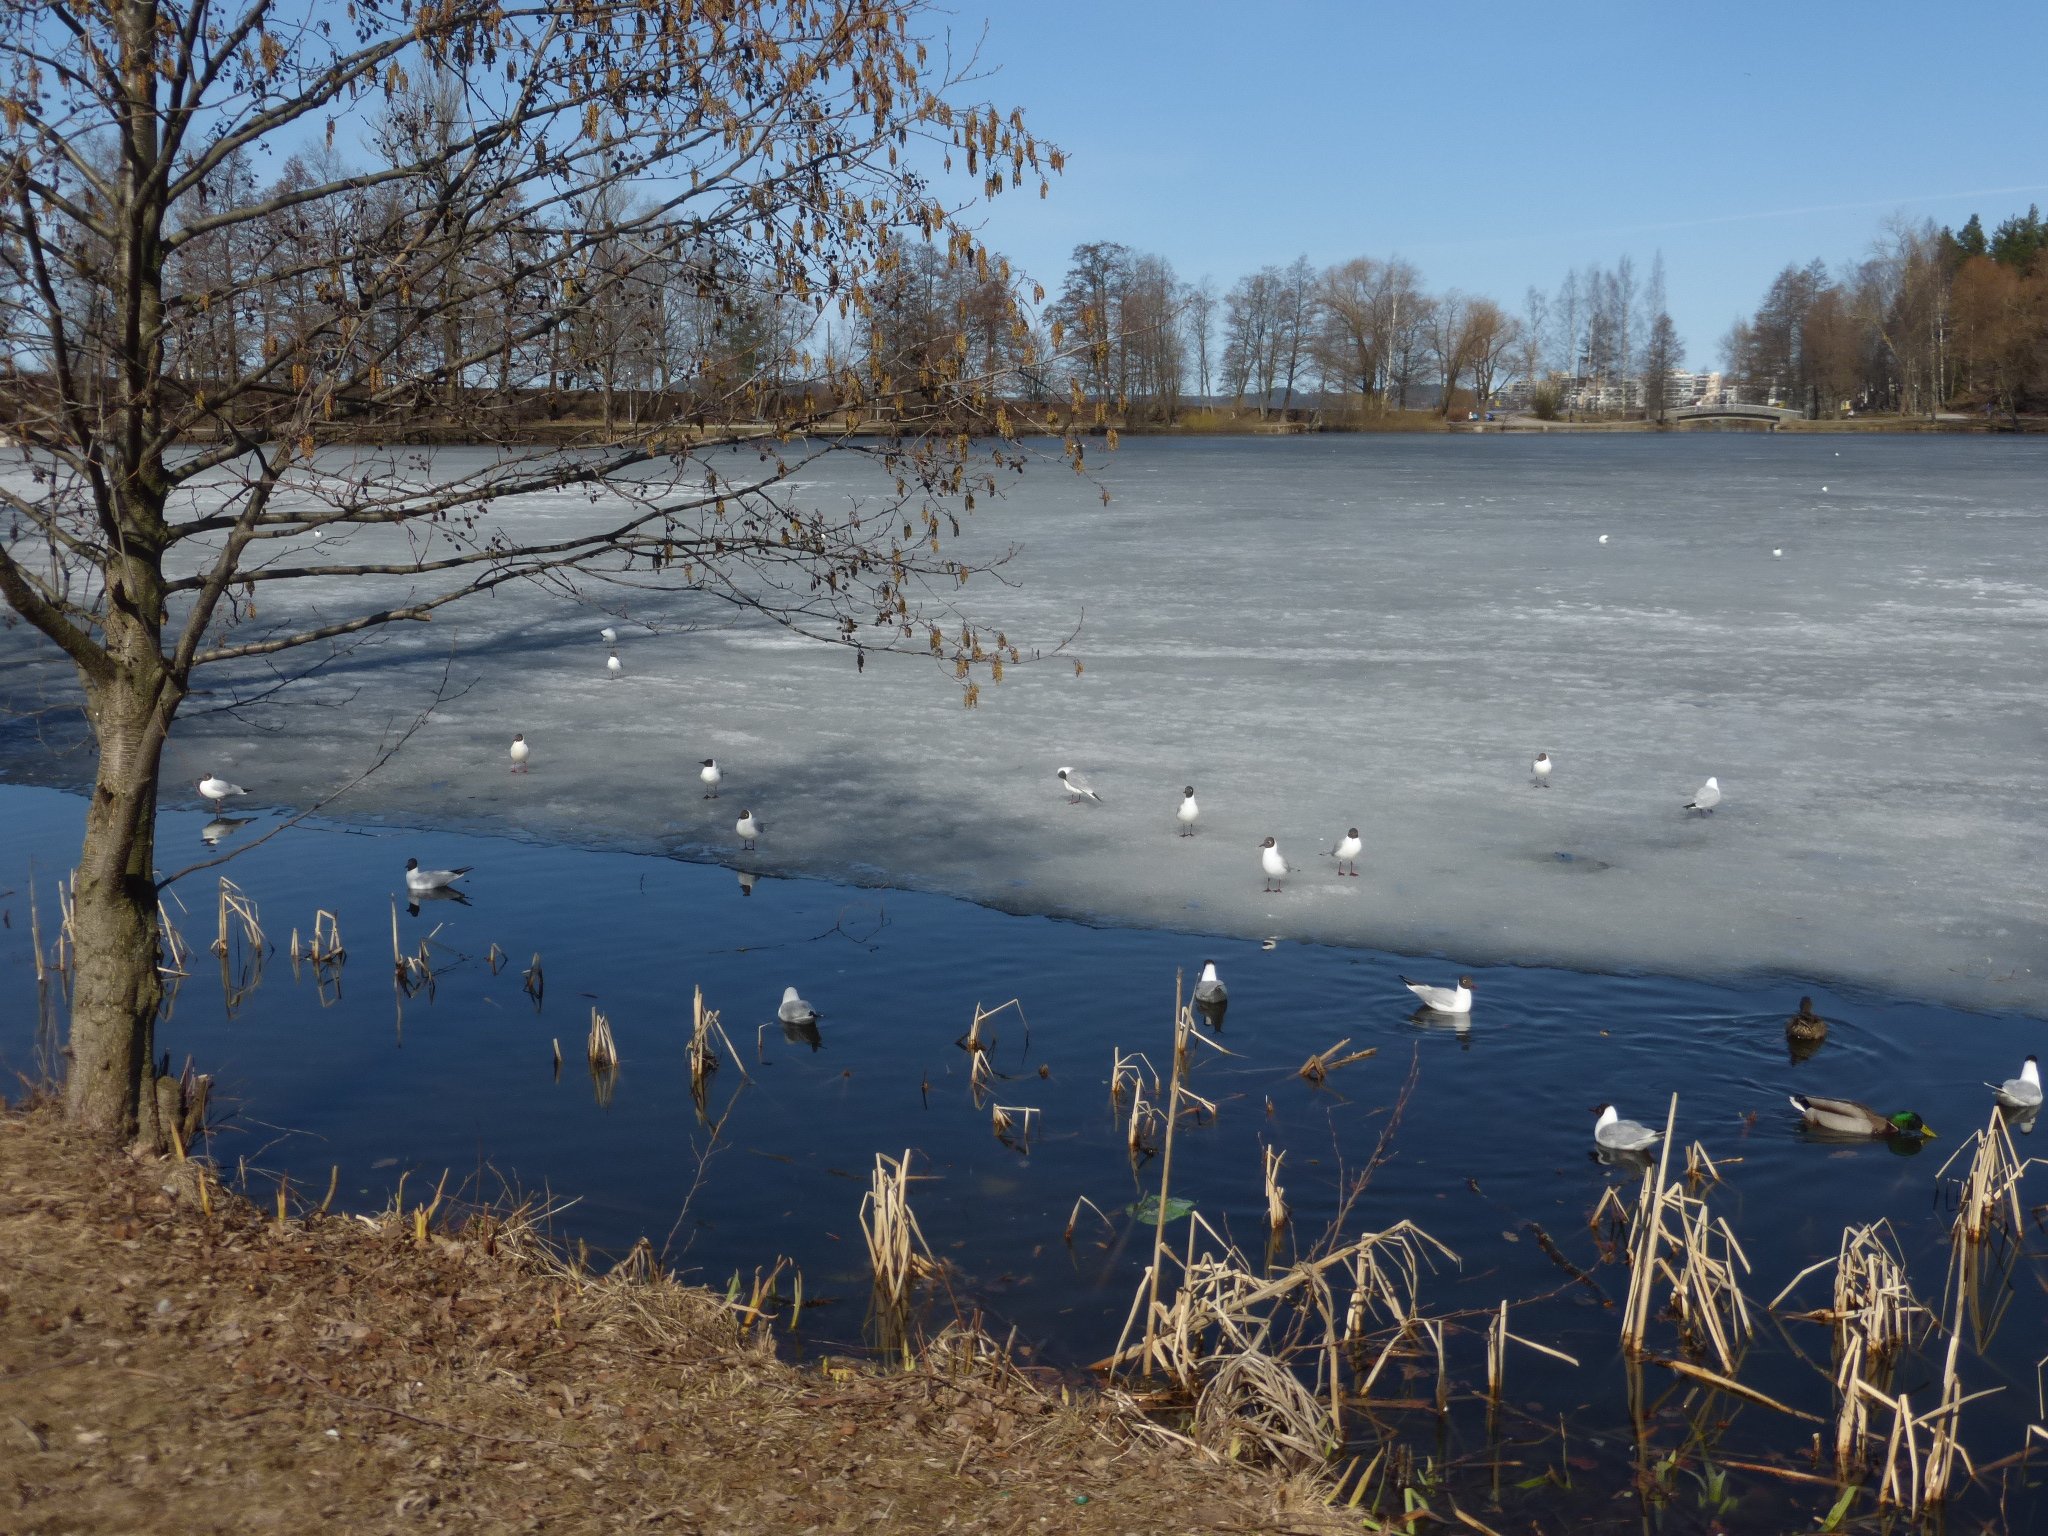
1319 633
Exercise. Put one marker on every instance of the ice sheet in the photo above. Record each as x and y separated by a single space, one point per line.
1319 633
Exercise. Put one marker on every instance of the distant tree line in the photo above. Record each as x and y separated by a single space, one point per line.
1931 319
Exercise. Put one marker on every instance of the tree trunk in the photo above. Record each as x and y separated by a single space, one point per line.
110 1088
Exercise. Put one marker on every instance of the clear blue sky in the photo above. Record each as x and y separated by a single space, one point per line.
1497 145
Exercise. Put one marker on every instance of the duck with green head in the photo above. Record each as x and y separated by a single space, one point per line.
1845 1117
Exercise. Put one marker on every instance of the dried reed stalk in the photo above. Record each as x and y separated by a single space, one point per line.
602 1049
1276 1197
1319 1066
1988 1196
898 1254
237 918
1006 1117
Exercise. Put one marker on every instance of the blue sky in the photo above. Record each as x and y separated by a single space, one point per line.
1495 146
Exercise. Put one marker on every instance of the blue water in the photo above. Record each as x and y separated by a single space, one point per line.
350 1077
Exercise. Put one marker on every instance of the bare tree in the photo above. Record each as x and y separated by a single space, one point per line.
1448 341
188 341
1200 312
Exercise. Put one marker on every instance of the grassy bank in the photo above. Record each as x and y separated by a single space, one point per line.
174 1359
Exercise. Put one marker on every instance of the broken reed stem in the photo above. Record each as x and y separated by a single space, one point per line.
1319 1066
1183 1021
1276 1197
603 1050
237 916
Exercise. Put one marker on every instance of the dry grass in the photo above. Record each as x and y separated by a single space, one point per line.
898 1255
334 1373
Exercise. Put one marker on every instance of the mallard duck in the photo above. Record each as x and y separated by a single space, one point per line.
1806 1027
1845 1117
2024 1091
1619 1135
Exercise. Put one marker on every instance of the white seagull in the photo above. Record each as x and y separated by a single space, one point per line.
216 789
1619 1135
1077 787
709 776
748 829
609 635
1274 865
2022 1092
1347 853
520 752
417 879
1188 812
1777 554
1603 538
1708 796
795 1010
1456 999
1541 768
611 664
1210 991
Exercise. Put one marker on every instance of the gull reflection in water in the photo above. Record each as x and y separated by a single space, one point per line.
444 893
222 826
1458 1025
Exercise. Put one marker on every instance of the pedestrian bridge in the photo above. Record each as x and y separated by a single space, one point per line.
1771 413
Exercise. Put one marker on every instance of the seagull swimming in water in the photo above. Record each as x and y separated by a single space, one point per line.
795 1010
1603 538
1708 796
1274 865
417 879
1541 768
2022 1092
1348 847
1456 999
1777 554
520 752
1210 991
1188 812
709 776
1077 787
1619 1135
216 789
611 664
748 829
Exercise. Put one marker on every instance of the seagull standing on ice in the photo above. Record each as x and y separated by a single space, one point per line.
1274 865
748 829
1188 812
520 752
611 664
1348 847
1707 798
418 880
1541 768
1456 999
1603 538
709 775
795 1010
1077 787
1619 1135
216 789
609 635
2022 1092
1777 554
